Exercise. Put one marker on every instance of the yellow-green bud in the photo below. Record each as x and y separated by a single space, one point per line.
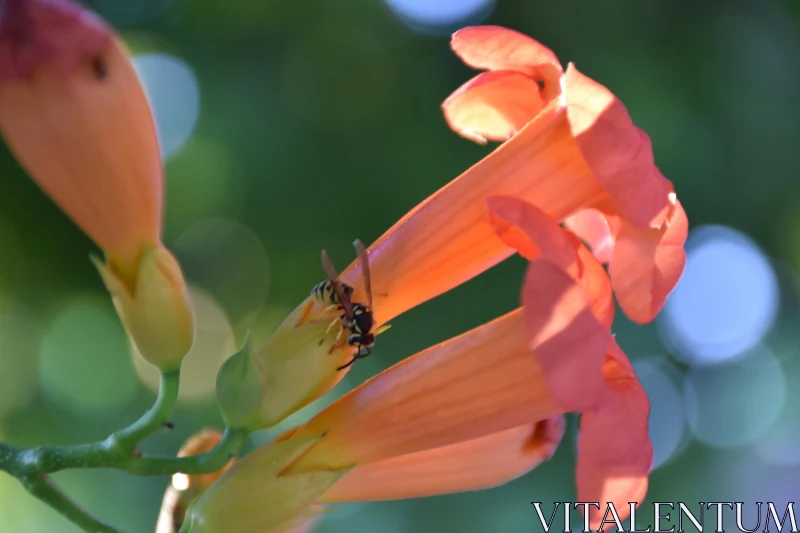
298 363
254 496
155 309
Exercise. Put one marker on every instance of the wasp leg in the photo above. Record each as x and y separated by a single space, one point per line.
304 315
337 343
349 363
327 332
356 357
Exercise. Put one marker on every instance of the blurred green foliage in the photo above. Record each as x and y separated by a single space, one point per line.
319 123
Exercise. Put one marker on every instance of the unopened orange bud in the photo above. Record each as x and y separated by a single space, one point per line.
73 112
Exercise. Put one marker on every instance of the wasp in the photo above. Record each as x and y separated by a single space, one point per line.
356 317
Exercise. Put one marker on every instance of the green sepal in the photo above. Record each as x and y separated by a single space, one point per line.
240 388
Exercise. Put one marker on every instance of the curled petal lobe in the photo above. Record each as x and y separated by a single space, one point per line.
498 48
619 154
566 337
580 296
614 450
493 105
647 264
475 464
532 233
595 229
481 382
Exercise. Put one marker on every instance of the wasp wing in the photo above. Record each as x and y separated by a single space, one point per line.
364 257
333 277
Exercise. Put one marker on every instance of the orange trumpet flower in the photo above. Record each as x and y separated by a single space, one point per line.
470 413
636 223
570 149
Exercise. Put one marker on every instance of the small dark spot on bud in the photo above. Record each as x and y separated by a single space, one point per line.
540 83
169 425
99 68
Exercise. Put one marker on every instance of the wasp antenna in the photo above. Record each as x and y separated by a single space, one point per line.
364 257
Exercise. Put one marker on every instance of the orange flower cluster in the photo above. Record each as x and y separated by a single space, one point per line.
487 406
572 187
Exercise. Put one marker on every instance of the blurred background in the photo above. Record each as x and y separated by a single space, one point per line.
288 127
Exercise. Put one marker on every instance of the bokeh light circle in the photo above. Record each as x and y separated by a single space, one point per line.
440 16
174 96
726 300
205 180
214 342
667 422
735 403
779 446
226 259
19 344
84 363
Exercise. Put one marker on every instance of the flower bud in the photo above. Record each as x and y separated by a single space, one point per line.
297 364
73 112
255 495
155 310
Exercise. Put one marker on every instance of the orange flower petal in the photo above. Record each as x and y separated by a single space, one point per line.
531 232
498 48
481 382
614 450
619 153
447 239
471 465
493 105
647 265
566 337
594 229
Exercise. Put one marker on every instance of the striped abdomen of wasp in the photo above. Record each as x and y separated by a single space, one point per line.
324 293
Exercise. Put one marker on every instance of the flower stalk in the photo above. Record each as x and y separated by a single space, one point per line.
119 451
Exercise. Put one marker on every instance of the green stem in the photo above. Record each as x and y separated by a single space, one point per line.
119 451
228 447
43 488
158 415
